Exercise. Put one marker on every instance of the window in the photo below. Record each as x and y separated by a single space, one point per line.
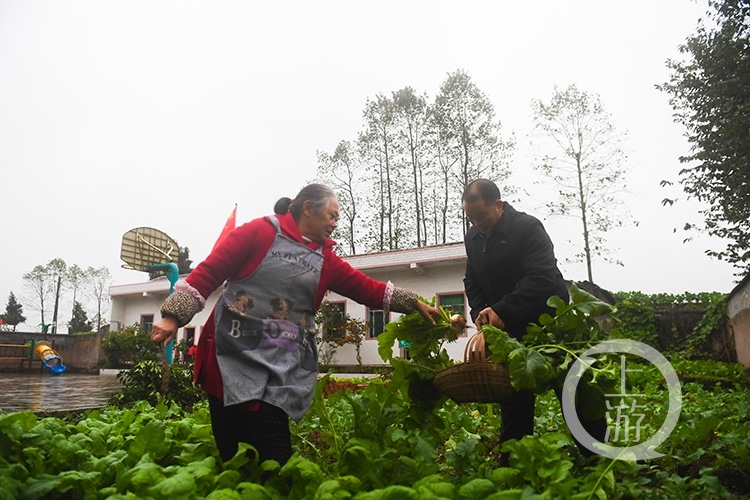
454 302
376 321
189 335
147 321
332 316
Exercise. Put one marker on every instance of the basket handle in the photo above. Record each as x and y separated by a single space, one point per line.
474 350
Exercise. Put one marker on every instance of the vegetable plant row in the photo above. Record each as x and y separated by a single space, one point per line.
372 445
402 439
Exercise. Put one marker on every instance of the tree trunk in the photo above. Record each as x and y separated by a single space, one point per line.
57 304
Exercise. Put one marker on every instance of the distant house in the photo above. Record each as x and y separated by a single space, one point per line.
435 271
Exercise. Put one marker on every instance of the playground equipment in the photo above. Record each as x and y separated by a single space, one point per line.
148 249
51 360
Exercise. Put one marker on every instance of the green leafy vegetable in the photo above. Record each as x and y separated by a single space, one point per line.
529 369
424 339
541 359
426 357
374 454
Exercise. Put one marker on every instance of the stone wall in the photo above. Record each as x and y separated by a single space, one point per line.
676 324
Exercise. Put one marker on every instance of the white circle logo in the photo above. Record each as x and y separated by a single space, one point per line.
642 450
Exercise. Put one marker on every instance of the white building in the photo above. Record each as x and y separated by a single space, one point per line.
435 271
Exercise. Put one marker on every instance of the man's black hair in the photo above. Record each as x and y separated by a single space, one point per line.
481 188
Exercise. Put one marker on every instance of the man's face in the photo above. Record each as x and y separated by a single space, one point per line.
482 215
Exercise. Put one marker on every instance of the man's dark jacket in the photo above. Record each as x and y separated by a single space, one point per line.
513 270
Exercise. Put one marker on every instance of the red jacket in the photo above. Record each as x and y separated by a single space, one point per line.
239 254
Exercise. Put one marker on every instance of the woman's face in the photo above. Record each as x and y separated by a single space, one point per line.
319 226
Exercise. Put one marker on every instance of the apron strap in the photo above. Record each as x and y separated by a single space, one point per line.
275 223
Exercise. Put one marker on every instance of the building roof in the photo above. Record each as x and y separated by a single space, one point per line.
417 259
741 285
414 258
156 286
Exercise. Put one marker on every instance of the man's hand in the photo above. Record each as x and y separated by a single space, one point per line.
488 317
164 330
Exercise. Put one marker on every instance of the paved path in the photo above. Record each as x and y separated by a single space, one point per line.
52 393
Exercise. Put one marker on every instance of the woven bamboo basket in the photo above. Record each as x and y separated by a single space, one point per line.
476 380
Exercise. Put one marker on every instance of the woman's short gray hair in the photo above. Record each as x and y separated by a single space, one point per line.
318 195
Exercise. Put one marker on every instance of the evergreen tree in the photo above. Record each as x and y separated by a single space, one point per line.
77 279
79 323
13 312
184 263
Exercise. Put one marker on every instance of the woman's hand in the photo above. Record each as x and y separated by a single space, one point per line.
426 310
164 330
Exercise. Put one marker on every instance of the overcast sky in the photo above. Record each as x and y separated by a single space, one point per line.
115 115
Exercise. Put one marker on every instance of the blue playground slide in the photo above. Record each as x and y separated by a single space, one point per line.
52 361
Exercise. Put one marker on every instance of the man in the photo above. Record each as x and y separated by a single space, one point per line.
511 271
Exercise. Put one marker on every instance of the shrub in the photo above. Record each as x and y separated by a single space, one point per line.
645 318
637 321
145 382
123 348
336 330
144 377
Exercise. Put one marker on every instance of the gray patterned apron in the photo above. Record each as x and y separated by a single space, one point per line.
265 330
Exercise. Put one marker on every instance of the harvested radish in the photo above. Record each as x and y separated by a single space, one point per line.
458 323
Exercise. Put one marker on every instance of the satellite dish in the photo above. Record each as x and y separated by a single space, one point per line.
144 247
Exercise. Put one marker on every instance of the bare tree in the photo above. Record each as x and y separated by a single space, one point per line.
76 278
57 271
585 162
47 283
100 279
402 180
38 283
411 120
468 141
378 147
339 171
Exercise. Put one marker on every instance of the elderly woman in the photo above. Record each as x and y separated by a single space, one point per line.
257 357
